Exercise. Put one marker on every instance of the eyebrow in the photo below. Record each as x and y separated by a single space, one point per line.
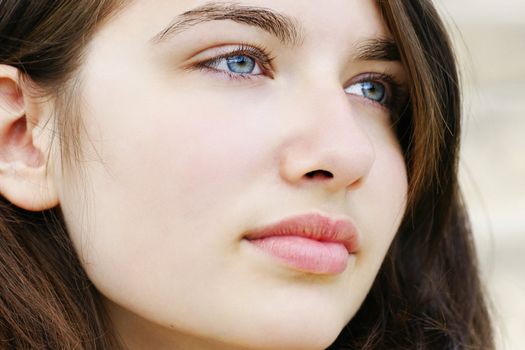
377 49
284 27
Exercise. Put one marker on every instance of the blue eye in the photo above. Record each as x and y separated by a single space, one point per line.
241 64
371 90
236 64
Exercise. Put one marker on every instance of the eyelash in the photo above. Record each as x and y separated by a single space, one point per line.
261 56
396 94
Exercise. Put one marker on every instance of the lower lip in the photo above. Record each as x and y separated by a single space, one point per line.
305 254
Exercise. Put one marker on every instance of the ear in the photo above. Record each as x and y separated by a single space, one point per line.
24 141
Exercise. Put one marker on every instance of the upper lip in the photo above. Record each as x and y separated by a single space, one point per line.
313 226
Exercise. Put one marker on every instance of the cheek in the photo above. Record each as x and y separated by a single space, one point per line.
168 164
195 154
166 144
387 182
165 169
382 205
378 207
390 192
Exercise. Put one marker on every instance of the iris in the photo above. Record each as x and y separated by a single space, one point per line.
373 90
240 64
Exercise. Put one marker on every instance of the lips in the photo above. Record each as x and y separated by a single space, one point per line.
312 243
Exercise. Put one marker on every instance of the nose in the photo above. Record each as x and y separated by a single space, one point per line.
330 148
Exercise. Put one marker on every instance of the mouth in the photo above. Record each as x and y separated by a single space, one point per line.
310 243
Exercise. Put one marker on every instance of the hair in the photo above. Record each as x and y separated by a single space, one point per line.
427 294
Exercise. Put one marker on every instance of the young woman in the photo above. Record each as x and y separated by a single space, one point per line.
258 174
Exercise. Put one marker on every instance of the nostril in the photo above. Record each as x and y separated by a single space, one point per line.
319 174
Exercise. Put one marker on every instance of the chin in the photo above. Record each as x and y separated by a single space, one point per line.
292 333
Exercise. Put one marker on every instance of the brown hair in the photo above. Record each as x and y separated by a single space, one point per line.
427 294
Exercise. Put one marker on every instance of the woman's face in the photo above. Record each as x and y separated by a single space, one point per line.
224 124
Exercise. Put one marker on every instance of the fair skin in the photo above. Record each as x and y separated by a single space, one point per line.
180 162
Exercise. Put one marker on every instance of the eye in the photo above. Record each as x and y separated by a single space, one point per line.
238 64
244 61
371 90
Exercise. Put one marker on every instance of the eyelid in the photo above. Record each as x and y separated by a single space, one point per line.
387 79
261 56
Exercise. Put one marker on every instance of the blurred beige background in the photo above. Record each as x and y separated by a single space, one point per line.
490 38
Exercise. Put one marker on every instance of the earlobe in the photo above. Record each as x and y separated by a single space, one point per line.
24 179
